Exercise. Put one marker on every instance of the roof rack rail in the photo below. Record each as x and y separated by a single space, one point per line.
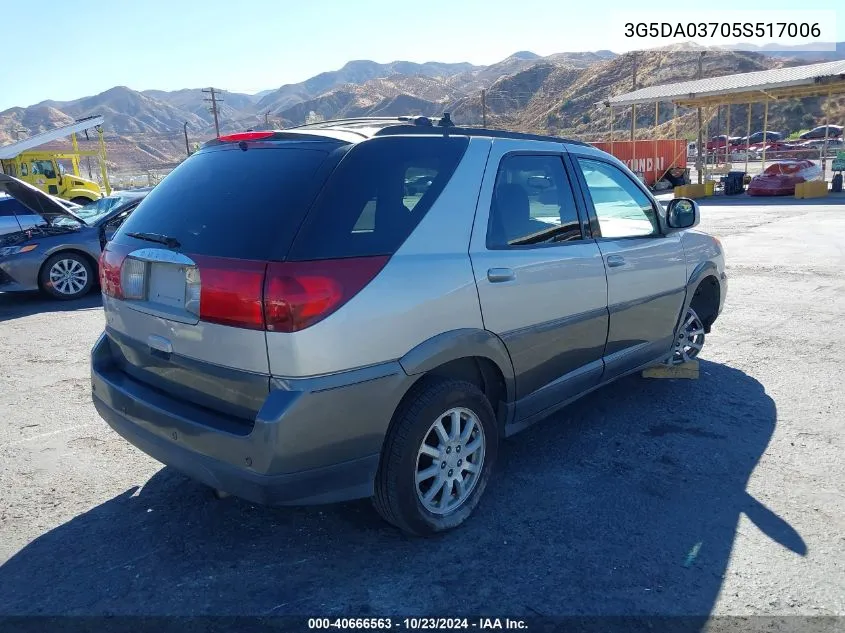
414 119
474 131
417 124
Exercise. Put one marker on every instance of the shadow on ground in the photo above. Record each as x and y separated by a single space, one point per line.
14 305
626 504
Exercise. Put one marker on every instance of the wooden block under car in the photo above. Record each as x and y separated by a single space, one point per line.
687 370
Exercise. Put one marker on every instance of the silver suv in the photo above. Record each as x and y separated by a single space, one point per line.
363 308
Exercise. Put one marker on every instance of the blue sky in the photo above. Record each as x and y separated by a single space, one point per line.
260 44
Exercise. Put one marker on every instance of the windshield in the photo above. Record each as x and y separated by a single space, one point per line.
95 210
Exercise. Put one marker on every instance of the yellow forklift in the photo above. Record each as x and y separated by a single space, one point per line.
44 168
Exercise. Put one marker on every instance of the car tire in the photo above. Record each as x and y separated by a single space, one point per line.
690 339
414 446
66 276
80 200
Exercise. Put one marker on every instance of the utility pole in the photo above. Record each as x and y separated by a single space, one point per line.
187 147
483 108
214 99
700 144
634 87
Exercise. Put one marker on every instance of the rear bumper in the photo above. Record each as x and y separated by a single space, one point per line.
315 440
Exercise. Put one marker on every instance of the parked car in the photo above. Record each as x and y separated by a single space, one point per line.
109 212
780 178
759 137
833 144
718 142
46 244
309 338
833 131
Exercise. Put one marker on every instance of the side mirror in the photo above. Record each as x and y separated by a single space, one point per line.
682 213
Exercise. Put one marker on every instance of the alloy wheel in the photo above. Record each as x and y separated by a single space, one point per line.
449 461
68 276
690 339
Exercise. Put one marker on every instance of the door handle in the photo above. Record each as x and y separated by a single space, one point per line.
496 275
614 261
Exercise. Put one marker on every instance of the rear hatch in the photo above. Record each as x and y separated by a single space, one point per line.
250 237
183 278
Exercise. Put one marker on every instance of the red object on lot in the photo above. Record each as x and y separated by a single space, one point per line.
653 158
780 178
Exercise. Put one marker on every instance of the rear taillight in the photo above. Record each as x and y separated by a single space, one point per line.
256 295
111 261
299 294
229 291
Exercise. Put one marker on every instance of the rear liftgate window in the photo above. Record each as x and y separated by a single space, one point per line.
229 202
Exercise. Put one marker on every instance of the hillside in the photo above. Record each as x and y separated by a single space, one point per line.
555 94
354 72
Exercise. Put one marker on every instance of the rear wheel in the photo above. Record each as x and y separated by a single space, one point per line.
67 276
437 458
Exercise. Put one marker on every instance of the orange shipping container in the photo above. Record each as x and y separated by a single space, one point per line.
652 159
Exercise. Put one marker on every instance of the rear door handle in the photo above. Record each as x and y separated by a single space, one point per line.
614 261
496 275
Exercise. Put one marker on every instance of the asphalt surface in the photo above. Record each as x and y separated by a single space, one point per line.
724 495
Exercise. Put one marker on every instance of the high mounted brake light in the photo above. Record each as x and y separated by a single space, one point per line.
245 136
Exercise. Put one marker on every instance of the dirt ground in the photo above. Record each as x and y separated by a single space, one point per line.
724 495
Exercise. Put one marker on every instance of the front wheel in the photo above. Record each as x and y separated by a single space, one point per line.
437 457
689 340
67 276
80 200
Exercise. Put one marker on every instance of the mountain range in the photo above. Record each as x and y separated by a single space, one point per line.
525 91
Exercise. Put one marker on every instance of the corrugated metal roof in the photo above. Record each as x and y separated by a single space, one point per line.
733 84
13 149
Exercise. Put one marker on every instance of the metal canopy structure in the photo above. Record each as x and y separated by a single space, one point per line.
796 82
812 80
13 149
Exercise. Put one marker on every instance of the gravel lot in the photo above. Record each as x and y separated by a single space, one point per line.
724 495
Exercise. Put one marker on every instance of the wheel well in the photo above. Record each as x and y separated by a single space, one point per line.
705 301
87 257
483 373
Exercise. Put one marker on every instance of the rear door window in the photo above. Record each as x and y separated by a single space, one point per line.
532 203
377 196
229 202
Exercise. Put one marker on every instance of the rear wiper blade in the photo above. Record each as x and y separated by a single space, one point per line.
169 242
547 234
